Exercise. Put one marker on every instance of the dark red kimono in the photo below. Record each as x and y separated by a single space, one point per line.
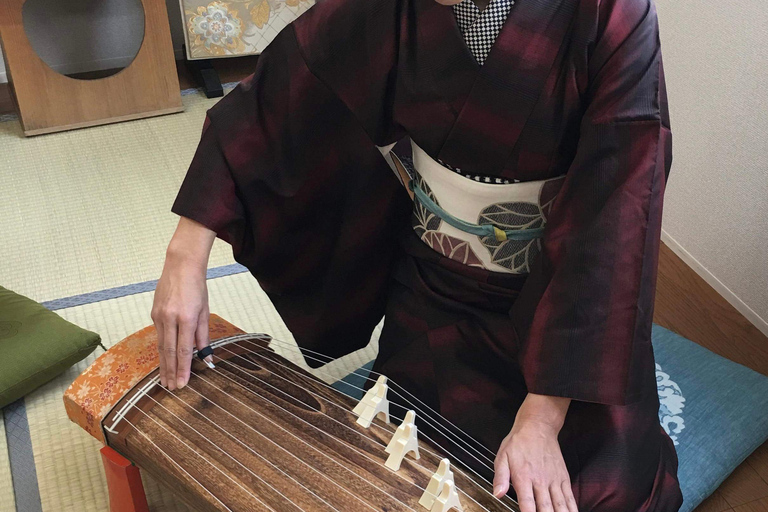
288 173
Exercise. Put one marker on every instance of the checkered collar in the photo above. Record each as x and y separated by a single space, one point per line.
480 28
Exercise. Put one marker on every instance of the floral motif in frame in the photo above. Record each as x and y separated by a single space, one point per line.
235 27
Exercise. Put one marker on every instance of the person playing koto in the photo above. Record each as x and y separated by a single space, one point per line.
513 251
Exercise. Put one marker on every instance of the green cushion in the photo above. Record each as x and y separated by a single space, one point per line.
36 345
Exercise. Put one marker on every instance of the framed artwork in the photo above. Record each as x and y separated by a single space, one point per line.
235 27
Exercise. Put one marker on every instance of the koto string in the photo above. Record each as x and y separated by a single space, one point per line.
301 440
290 433
416 463
444 430
265 437
294 347
246 446
317 428
233 458
425 417
337 405
355 431
277 363
285 450
359 433
433 423
373 424
206 460
249 337
268 338
288 345
429 420
176 463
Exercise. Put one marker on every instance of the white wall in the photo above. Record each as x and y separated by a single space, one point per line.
716 63
68 29
716 204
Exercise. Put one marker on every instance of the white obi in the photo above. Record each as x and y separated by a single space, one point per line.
508 207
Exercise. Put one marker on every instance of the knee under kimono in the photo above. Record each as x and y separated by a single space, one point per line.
288 172
447 349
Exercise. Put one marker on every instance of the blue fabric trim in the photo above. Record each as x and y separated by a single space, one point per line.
23 470
19 442
131 289
473 229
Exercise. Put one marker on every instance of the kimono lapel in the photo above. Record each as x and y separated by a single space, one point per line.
503 91
441 49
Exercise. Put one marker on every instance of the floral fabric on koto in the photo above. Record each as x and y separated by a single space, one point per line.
114 373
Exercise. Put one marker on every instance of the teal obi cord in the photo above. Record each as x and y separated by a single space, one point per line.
474 229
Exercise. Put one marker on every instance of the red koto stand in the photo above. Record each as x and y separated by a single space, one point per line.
126 492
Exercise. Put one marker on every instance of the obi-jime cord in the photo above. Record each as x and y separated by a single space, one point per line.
512 253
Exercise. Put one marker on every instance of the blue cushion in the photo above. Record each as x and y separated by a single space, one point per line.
715 410
353 383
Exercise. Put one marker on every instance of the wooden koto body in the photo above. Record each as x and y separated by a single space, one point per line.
259 433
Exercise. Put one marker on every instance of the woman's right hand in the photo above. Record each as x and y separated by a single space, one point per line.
180 309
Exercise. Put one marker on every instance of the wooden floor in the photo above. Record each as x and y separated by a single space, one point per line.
684 304
689 306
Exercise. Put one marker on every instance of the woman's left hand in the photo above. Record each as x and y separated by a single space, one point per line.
530 458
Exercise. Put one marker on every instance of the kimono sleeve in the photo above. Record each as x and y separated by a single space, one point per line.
290 176
208 193
584 316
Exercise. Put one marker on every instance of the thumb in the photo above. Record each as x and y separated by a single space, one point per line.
202 335
501 476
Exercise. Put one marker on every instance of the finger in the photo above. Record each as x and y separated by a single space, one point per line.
202 337
169 351
161 352
501 475
569 497
184 349
557 498
541 495
524 490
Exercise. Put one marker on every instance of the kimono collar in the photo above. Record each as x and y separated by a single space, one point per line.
492 102
481 28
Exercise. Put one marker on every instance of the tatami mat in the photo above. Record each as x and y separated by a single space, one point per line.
89 209
69 470
7 502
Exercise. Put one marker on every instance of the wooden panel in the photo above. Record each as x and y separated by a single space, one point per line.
261 434
49 101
